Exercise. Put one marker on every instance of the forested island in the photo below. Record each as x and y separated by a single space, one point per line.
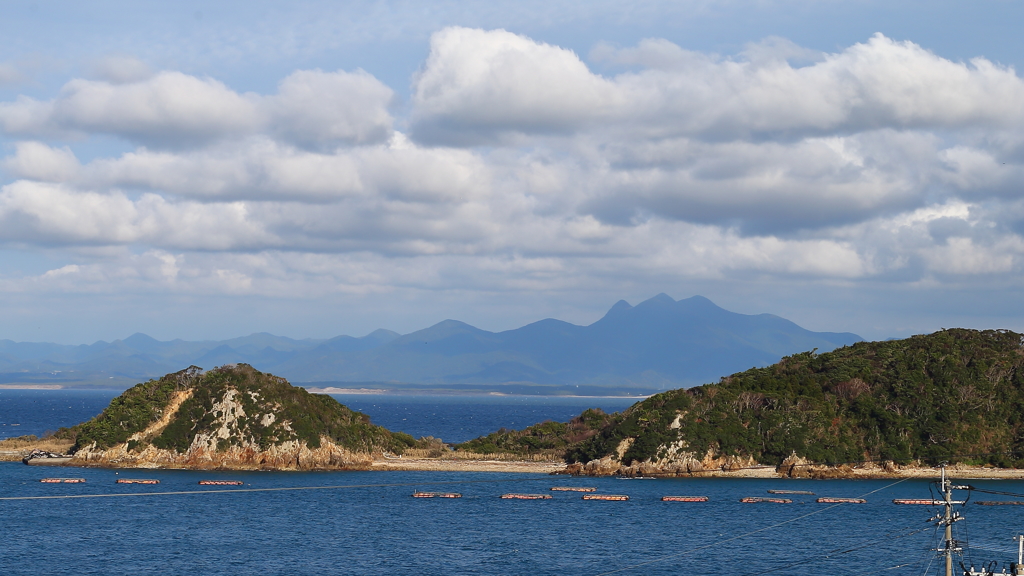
956 395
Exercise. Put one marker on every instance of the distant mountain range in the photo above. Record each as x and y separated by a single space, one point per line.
661 343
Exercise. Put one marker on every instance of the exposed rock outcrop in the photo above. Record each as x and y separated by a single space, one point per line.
232 417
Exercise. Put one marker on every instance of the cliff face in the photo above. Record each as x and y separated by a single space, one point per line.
231 417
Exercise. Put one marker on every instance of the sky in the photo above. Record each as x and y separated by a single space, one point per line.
312 169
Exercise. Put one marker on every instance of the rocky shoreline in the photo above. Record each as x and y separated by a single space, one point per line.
331 457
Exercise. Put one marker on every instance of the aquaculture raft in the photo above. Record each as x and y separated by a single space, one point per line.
573 489
63 480
684 498
436 495
221 482
614 497
830 500
804 492
513 496
918 501
1000 502
136 481
759 500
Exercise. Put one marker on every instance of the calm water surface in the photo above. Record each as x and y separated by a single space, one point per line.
451 418
367 523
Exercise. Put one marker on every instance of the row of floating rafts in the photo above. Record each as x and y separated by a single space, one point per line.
436 495
572 489
802 492
140 481
760 500
832 500
516 496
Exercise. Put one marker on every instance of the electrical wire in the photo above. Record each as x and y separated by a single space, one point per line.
275 489
997 492
751 533
840 551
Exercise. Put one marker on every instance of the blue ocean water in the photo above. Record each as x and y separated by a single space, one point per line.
367 523
451 418
460 418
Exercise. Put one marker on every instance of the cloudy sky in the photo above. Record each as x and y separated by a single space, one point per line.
316 168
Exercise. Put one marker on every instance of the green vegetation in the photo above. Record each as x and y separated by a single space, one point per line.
551 438
256 408
131 412
955 395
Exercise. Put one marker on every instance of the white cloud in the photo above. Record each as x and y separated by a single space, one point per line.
486 85
37 161
528 172
172 109
476 83
50 214
319 109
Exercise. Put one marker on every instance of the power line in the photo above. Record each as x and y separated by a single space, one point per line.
751 533
840 551
276 489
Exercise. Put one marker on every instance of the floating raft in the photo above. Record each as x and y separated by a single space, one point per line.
63 480
759 500
513 496
1000 502
615 497
918 501
573 489
221 483
684 498
830 500
136 481
805 492
436 495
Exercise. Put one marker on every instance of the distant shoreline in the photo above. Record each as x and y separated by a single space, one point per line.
402 392
357 392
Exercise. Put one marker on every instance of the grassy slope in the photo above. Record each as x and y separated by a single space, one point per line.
310 416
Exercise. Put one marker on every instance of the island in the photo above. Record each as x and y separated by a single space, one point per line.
871 409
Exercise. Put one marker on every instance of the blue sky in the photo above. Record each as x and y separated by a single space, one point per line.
314 169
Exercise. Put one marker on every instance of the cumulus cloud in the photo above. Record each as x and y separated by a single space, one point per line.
525 170
37 161
53 214
172 109
477 84
319 109
492 83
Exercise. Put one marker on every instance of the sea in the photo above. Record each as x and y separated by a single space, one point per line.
326 523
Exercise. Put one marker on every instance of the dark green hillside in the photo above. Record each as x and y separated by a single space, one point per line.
954 395
547 438
936 397
256 409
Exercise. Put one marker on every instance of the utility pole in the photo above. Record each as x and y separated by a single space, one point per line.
947 519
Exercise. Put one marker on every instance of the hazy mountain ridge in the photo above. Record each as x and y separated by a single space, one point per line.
660 343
